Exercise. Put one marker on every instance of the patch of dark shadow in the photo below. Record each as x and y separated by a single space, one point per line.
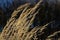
30 29
1 28
19 13
36 21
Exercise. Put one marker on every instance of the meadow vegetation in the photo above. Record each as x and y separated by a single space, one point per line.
23 25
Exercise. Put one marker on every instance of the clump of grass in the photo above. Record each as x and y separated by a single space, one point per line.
18 26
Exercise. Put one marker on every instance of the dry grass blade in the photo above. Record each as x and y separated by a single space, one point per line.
54 34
